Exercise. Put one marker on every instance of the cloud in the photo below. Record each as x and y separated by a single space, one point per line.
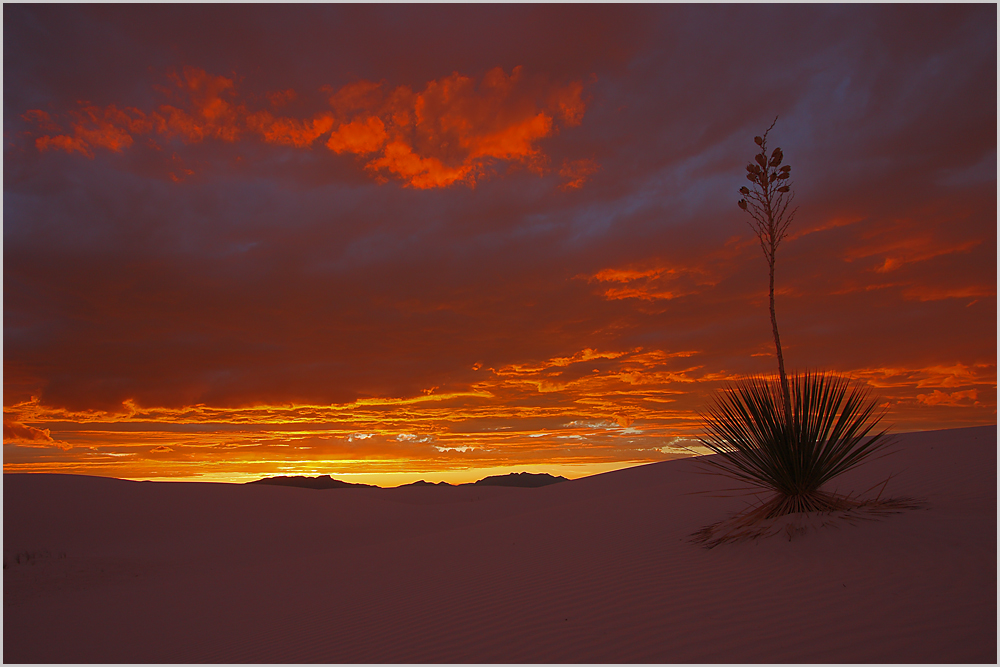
657 283
452 131
108 128
953 398
207 110
577 172
361 136
932 293
898 252
290 131
16 431
29 436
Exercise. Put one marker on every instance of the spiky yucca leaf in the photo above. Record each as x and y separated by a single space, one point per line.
828 432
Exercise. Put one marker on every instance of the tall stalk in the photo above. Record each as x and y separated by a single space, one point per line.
767 203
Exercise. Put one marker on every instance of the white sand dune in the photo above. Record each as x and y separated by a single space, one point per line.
599 569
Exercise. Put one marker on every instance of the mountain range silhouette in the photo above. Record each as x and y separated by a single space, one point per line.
518 479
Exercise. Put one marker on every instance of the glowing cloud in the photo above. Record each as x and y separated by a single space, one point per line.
290 131
92 127
26 435
452 131
939 397
577 172
658 283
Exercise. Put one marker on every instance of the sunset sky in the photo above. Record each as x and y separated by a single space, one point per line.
392 243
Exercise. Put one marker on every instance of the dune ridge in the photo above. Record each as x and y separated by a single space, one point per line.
599 569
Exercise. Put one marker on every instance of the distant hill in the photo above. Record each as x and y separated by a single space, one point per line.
522 479
321 482
423 483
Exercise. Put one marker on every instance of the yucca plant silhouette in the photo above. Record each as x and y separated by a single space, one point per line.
830 430
787 436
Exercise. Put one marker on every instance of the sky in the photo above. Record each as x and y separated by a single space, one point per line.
396 242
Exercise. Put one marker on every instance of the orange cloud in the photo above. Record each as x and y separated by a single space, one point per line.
290 131
203 112
63 142
569 101
29 436
512 142
420 172
17 431
42 119
575 173
626 275
208 113
92 127
952 399
658 283
360 136
358 96
959 375
452 131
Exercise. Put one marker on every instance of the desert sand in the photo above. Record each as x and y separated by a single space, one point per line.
599 569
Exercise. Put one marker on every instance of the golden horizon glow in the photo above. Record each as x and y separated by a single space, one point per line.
632 411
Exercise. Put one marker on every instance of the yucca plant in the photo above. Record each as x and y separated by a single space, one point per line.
787 435
831 429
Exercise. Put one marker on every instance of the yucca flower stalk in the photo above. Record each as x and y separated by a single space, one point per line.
767 203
